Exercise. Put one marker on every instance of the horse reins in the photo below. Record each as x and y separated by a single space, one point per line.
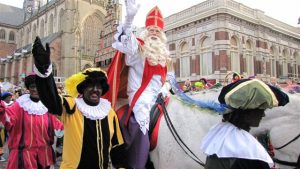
294 164
175 134
294 139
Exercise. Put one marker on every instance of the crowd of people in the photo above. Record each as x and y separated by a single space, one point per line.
287 85
85 114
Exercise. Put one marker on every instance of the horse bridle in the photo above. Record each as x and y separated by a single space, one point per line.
175 134
293 164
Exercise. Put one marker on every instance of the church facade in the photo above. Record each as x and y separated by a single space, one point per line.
72 28
208 40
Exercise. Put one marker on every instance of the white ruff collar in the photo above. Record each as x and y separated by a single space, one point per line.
94 112
31 107
227 141
8 104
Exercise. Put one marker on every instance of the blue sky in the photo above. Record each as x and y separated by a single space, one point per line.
287 11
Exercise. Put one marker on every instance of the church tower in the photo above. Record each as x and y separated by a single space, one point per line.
29 7
106 52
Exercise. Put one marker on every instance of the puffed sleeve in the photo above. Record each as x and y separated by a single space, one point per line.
126 42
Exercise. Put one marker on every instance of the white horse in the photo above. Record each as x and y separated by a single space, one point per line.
192 123
283 125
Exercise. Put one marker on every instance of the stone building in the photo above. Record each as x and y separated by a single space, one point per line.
72 27
218 36
105 52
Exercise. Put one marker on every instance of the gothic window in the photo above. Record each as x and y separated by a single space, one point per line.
60 23
2 34
33 33
22 38
50 25
42 28
27 36
11 36
92 27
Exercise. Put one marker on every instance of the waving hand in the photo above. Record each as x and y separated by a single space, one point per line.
131 9
41 55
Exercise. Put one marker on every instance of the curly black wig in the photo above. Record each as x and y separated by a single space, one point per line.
30 79
94 77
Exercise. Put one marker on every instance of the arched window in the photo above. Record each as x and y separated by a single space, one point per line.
61 20
42 28
2 34
185 60
92 27
27 36
274 61
33 33
206 57
249 62
234 55
286 55
11 36
22 38
87 66
50 25
294 64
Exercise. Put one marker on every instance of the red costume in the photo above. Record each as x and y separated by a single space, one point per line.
31 134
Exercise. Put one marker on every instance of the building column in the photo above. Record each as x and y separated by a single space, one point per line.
7 71
13 71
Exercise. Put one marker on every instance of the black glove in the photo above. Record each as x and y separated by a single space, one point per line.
41 55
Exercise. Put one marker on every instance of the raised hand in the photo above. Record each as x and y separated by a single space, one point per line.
40 54
131 8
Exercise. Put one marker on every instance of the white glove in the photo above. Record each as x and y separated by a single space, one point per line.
131 9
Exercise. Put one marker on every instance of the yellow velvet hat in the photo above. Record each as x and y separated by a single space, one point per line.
73 81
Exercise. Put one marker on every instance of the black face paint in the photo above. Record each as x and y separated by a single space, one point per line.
34 95
92 94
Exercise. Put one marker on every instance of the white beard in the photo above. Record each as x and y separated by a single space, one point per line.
155 51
